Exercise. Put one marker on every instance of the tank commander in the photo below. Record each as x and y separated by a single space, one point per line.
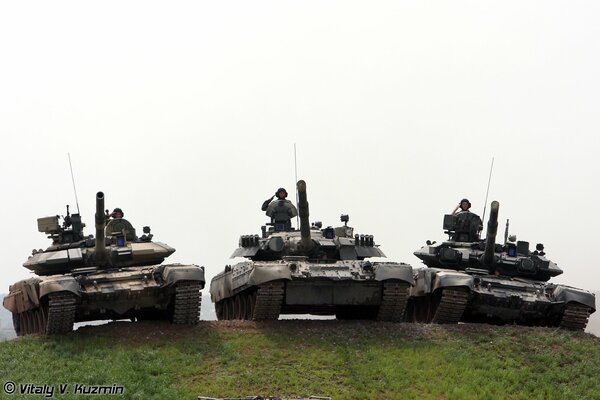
466 222
280 210
464 206
118 224
117 213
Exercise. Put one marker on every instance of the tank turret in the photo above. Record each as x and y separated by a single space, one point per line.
465 250
114 246
310 241
490 238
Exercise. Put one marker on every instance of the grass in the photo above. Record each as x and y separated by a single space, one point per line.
344 360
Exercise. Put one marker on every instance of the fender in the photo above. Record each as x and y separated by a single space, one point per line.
59 284
444 279
220 286
244 274
397 271
267 273
567 294
23 296
174 273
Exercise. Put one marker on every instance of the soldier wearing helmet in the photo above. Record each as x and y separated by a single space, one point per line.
464 206
118 224
466 222
117 213
280 210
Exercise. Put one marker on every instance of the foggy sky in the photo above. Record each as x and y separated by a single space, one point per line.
185 114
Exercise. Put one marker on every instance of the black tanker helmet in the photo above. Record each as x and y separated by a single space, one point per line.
281 190
118 210
466 201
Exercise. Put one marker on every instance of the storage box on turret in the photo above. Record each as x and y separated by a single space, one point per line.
48 224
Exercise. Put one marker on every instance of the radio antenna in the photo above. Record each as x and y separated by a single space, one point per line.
488 191
73 180
296 176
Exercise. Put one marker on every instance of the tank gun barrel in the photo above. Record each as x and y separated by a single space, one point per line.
305 241
100 249
492 229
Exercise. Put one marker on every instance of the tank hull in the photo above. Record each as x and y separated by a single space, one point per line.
496 299
347 289
49 305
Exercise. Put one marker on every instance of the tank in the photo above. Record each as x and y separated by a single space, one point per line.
311 270
114 275
473 280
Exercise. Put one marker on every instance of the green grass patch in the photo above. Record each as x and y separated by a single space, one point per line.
344 360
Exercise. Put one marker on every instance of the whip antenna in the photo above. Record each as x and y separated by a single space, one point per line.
296 176
488 190
73 180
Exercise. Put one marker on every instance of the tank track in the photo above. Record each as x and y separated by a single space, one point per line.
30 322
268 301
575 317
393 302
16 319
25 324
187 302
451 306
61 313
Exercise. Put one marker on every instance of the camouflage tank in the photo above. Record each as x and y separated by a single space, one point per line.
474 280
310 271
115 275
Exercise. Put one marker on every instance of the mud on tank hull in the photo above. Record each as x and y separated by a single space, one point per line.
262 290
50 305
444 296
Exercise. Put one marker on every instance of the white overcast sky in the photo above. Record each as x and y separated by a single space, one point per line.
186 113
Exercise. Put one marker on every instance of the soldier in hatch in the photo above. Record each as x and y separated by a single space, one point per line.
467 223
119 224
280 210
464 206
117 213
